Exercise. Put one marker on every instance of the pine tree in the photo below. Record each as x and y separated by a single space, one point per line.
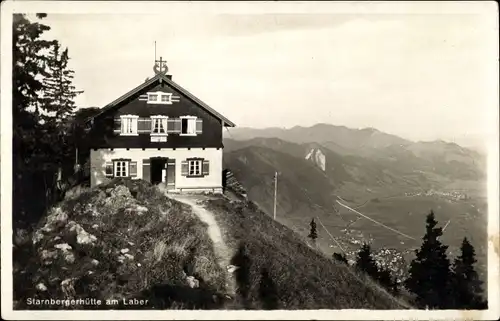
385 279
313 234
59 92
466 286
429 273
30 141
340 258
365 261
39 146
29 61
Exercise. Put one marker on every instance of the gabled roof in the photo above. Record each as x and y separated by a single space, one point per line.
174 85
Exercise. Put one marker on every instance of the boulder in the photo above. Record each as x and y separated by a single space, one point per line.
192 282
41 287
82 236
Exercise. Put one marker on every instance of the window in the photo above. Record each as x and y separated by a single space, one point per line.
188 125
166 98
159 125
160 97
121 168
194 167
128 124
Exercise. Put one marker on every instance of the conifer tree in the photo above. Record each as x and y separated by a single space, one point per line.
39 146
429 273
313 233
59 92
385 278
340 257
466 286
365 261
31 143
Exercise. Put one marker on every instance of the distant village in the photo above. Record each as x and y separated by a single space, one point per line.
454 195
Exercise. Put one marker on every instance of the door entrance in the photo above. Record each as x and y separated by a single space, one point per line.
158 169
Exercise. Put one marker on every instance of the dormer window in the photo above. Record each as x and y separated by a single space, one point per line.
166 98
159 97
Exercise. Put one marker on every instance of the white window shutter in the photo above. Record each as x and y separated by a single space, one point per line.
192 125
164 122
153 124
134 125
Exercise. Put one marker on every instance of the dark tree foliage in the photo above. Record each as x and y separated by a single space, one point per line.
340 257
365 261
429 273
366 264
466 286
268 292
39 144
385 278
313 233
59 92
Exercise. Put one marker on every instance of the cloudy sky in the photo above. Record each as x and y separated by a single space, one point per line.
422 76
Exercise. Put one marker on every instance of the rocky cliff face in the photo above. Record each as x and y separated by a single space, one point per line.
317 157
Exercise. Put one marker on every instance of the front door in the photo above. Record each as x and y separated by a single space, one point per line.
158 170
170 174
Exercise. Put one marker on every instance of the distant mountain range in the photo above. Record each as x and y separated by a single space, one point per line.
339 138
377 160
387 176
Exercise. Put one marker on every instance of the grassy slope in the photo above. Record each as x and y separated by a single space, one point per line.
273 257
406 214
146 244
165 241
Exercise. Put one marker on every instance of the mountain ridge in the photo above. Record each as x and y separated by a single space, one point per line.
394 184
245 133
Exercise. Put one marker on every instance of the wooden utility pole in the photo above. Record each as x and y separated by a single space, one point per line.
275 192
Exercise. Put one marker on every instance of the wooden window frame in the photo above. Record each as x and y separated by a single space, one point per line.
193 126
129 120
194 161
159 95
164 124
168 100
126 167
150 98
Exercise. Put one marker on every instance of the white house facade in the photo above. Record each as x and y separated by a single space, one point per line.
161 133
